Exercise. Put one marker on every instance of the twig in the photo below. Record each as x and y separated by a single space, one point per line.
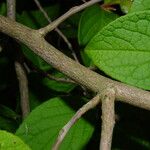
108 119
11 9
23 84
21 75
91 104
49 76
54 24
65 80
57 30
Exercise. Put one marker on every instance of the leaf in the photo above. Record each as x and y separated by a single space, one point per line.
41 127
86 60
3 9
8 124
35 18
141 141
9 141
7 112
58 86
93 20
122 49
140 5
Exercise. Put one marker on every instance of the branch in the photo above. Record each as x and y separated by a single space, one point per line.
11 9
21 75
108 119
57 30
80 74
23 86
72 11
91 104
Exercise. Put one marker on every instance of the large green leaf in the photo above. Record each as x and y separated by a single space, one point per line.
41 127
140 5
122 49
9 141
93 20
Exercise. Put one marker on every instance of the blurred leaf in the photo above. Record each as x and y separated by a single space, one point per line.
34 101
86 59
93 20
58 86
9 141
42 126
7 124
4 71
35 18
7 112
70 26
140 5
141 141
3 9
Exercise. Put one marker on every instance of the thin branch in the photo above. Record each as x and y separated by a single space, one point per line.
21 75
65 80
57 30
49 76
108 119
11 9
91 104
54 24
42 10
23 84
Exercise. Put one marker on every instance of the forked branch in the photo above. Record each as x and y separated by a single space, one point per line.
72 11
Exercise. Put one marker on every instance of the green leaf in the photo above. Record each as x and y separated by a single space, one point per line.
35 18
58 86
93 20
34 100
86 60
42 126
3 9
70 26
122 49
7 112
140 5
141 141
8 124
9 141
